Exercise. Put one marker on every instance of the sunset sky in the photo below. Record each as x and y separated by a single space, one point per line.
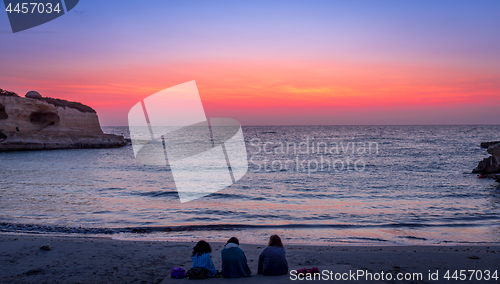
270 62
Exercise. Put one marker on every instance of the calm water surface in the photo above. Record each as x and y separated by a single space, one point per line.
311 184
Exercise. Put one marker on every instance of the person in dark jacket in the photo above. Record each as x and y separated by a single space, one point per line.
272 260
234 260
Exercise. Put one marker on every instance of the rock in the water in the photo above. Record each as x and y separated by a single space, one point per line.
494 150
46 247
33 95
495 176
488 144
490 165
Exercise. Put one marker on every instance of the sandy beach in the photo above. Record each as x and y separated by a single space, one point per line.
104 260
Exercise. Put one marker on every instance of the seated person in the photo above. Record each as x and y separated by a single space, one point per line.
201 258
272 260
234 261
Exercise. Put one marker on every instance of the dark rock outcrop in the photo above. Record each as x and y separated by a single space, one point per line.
21 142
490 166
3 113
488 144
38 123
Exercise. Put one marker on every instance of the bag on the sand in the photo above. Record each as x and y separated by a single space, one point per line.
178 273
198 273
307 271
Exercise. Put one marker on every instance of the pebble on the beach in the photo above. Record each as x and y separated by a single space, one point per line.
46 247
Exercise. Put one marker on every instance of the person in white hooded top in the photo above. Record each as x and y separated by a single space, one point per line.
234 260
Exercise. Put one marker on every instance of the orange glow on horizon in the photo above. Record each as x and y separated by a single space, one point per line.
249 86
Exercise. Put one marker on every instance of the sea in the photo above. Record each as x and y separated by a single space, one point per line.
319 185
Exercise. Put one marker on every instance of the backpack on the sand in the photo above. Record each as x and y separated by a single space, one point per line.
198 273
307 271
178 273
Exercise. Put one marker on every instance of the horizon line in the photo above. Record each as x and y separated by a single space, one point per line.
347 125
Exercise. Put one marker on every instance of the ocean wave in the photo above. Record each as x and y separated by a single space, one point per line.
34 228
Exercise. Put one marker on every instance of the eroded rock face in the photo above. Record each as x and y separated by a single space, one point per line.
37 123
33 115
490 165
3 113
494 150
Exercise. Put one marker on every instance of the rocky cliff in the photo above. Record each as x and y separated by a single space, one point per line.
490 166
38 123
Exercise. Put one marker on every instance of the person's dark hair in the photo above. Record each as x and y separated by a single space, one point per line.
233 240
275 241
201 247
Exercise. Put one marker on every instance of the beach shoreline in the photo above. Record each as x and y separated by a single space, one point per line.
84 259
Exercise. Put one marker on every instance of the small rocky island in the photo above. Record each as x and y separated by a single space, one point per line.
41 123
490 167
